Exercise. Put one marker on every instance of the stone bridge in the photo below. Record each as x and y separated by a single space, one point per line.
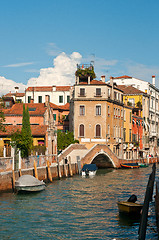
102 156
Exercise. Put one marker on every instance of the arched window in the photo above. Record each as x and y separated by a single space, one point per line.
98 131
81 130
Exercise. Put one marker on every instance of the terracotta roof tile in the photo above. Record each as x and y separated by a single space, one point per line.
93 82
66 106
47 88
15 94
125 76
17 109
129 89
63 88
37 130
54 106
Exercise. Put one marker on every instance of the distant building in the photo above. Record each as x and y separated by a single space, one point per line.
17 97
152 120
96 113
138 101
59 95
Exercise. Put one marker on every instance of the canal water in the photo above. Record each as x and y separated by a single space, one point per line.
78 208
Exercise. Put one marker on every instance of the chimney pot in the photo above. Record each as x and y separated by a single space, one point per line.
153 80
89 79
103 78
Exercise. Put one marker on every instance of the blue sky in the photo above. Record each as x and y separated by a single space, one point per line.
41 40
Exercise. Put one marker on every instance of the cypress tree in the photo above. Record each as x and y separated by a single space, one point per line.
27 140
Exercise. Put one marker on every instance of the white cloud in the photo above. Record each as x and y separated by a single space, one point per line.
62 72
19 64
7 85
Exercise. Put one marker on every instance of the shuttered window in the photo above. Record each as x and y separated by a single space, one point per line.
98 131
81 130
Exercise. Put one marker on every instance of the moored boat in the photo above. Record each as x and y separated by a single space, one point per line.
143 165
129 165
29 183
89 170
129 207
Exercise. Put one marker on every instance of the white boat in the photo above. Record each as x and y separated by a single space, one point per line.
29 183
89 170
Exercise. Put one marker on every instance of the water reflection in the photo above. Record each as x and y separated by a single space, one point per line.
77 208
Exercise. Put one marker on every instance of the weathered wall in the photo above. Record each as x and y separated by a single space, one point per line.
6 177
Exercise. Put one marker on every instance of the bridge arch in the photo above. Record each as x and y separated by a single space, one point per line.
103 160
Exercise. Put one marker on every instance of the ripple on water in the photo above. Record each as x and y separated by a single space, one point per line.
77 208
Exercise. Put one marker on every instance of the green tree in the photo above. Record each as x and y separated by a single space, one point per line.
2 118
64 139
23 140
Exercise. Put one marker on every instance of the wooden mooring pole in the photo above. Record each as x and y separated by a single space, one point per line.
49 171
148 198
35 170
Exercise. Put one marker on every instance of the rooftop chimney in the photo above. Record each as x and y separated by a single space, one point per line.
16 89
77 80
153 80
89 79
103 78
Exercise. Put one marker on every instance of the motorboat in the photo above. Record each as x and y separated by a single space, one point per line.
129 165
89 170
130 206
143 165
29 183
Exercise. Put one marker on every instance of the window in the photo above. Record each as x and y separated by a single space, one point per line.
130 117
29 99
82 110
54 117
68 99
132 101
121 132
108 111
114 112
60 99
119 113
129 135
98 110
81 130
98 131
114 131
98 91
124 115
124 134
7 104
82 91
39 99
115 95
108 134
32 109
108 92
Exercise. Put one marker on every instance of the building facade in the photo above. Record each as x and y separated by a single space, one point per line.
59 95
151 119
96 114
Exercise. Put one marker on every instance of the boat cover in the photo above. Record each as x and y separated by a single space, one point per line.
89 167
28 180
